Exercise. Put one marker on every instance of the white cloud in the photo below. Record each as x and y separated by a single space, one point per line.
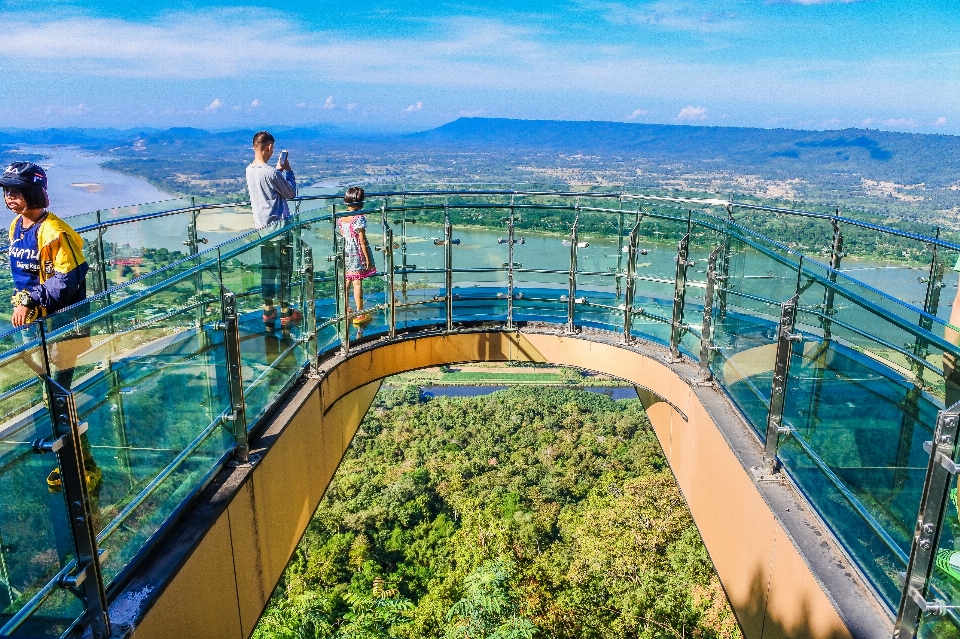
941 121
472 54
80 109
255 104
413 108
216 104
301 105
894 123
351 106
692 113
329 104
636 114
673 15
476 113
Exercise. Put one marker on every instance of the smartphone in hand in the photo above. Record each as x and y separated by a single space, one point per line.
283 158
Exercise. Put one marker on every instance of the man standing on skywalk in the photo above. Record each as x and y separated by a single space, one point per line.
270 188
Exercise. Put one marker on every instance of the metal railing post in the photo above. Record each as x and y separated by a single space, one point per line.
781 369
448 266
836 254
706 332
511 234
572 276
391 283
933 504
98 261
345 283
724 267
310 307
238 414
619 245
87 581
631 284
679 296
931 301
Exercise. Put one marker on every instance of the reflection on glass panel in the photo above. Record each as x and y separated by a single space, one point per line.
35 539
266 280
150 379
137 248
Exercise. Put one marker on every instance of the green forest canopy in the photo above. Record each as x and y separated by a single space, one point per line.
530 512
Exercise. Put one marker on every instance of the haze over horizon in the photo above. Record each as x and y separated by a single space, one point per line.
410 66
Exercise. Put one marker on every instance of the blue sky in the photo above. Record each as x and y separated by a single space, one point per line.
414 65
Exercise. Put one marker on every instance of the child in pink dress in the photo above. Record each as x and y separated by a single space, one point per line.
359 258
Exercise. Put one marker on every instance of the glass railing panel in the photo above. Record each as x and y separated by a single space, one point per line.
316 231
150 379
419 278
137 248
311 207
601 266
541 282
856 449
120 212
745 319
35 539
374 290
267 284
659 235
480 261
223 223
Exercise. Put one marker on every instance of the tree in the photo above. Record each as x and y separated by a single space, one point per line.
375 614
488 609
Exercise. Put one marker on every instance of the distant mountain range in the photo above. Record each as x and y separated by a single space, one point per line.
901 157
907 175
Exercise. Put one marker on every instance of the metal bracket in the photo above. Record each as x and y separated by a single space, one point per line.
936 607
949 465
41 446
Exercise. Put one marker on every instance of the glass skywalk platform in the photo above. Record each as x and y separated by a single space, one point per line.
160 378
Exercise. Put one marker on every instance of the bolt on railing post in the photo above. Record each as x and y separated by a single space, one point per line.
238 414
310 306
778 390
448 266
88 580
930 519
706 332
631 285
572 276
679 296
